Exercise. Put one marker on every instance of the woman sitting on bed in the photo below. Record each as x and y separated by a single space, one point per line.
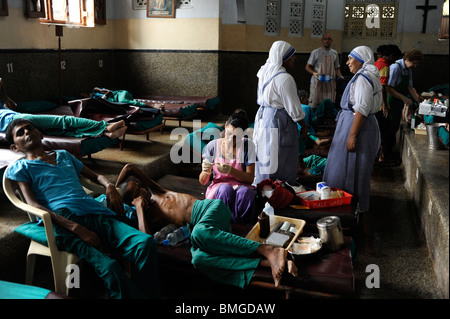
231 161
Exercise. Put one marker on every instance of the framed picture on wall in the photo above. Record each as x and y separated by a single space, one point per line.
4 8
161 8
35 8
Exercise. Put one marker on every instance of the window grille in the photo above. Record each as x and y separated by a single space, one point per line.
272 20
319 18
185 4
370 19
296 18
139 4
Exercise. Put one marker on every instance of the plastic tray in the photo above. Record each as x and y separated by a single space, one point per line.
323 203
253 234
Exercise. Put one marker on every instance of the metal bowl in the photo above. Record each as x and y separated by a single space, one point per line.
305 246
325 78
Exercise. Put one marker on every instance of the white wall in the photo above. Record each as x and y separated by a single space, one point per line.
255 12
123 9
411 20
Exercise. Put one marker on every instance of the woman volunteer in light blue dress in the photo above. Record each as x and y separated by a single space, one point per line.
357 137
275 134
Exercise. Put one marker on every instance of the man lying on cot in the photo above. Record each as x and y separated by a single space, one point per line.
219 254
56 125
83 226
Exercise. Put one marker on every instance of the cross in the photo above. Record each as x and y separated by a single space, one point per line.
425 9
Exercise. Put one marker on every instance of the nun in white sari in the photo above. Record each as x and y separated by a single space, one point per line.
276 133
356 140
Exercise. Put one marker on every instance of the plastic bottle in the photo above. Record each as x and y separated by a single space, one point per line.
160 235
413 119
178 235
269 211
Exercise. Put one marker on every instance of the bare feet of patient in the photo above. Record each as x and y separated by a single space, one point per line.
276 259
116 129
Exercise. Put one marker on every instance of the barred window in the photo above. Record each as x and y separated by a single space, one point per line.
370 19
296 18
185 4
319 18
272 19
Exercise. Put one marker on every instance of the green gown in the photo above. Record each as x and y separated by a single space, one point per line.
219 254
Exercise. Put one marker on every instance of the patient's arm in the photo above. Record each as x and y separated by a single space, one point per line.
88 236
114 200
141 206
131 170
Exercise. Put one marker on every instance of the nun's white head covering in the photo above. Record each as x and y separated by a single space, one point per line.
364 55
279 53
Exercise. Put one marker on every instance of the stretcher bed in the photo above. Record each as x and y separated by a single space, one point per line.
139 120
180 108
326 275
202 102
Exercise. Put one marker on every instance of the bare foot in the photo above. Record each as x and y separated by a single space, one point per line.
111 127
322 142
276 257
292 268
117 133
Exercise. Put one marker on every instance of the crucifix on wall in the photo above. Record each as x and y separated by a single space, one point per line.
425 9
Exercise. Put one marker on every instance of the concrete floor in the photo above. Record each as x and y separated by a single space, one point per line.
390 238
389 235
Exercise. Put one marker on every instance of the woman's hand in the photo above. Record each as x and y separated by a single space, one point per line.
351 143
385 111
408 101
207 166
224 168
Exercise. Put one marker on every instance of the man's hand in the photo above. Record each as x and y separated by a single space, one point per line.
140 201
88 236
10 104
114 200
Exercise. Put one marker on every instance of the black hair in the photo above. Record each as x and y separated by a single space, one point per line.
9 130
382 50
302 94
395 51
238 119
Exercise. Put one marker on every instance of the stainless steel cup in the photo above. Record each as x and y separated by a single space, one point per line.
330 231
